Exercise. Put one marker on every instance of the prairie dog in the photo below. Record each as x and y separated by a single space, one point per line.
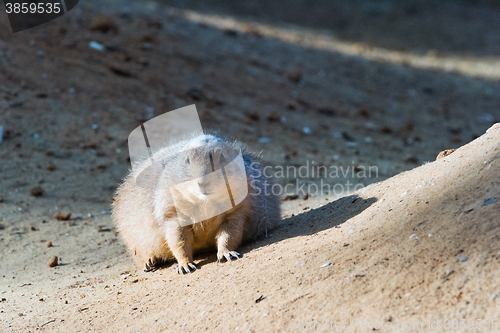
154 223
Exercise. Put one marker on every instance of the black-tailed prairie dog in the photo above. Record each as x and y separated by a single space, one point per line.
155 223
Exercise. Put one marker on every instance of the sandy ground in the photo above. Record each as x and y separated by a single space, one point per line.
420 246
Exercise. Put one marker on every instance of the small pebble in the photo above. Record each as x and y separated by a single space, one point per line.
291 197
463 258
36 191
489 201
62 216
445 153
52 262
294 76
49 244
104 23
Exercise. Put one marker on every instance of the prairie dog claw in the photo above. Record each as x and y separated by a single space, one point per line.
230 255
187 268
150 266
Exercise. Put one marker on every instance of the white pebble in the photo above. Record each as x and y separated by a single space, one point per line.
97 46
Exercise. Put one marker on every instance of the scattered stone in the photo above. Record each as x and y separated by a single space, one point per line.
104 24
33 229
97 46
41 94
52 262
49 244
325 265
120 71
36 191
445 153
489 201
306 196
274 117
62 216
294 76
149 37
364 113
50 167
347 137
253 116
463 258
291 197
386 130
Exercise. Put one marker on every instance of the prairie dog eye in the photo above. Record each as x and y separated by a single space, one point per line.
188 161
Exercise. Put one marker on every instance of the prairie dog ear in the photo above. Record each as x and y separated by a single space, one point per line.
228 153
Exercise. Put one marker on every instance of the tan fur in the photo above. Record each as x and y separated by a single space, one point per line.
149 223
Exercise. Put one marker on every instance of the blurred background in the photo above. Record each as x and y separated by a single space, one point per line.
329 83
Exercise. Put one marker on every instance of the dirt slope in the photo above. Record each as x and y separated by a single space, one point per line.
423 245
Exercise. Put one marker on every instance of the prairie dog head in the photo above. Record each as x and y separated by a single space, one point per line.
197 175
